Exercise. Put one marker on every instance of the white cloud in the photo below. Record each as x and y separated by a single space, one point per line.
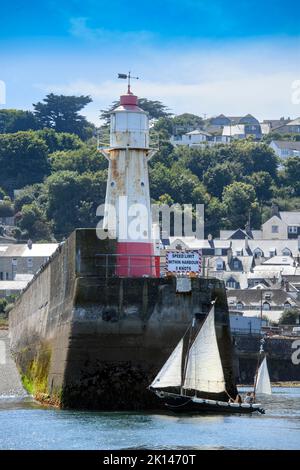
233 79
254 79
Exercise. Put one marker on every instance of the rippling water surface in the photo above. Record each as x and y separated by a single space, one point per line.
26 425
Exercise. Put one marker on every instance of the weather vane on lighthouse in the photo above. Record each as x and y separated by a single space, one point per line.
127 76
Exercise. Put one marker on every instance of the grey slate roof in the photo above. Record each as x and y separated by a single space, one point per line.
290 217
287 144
253 296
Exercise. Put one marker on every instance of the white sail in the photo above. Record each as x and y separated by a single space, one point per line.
170 373
204 371
263 384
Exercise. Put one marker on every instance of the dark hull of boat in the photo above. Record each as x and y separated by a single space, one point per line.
185 404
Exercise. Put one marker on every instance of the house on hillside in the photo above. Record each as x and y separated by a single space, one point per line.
285 148
198 138
291 127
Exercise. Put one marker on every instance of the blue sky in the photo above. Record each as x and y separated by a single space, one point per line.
196 56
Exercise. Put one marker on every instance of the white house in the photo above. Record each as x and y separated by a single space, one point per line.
285 148
198 138
282 225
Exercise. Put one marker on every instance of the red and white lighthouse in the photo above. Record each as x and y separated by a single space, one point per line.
127 200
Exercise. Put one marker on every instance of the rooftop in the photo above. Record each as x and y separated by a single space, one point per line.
38 250
286 144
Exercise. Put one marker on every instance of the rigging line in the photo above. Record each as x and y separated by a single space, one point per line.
186 356
229 395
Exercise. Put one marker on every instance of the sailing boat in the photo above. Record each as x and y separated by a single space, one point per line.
202 372
262 383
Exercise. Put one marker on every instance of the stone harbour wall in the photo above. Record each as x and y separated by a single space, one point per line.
83 338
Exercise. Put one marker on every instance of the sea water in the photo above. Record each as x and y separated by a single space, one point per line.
24 424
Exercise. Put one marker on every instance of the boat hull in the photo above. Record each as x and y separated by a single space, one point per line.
186 404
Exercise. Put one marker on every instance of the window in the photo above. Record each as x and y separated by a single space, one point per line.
272 253
1 276
287 305
236 264
286 252
266 306
218 251
239 253
219 265
275 228
231 283
292 229
14 262
29 263
239 306
258 253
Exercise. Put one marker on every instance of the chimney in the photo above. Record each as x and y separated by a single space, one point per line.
246 244
248 229
29 244
274 210
229 255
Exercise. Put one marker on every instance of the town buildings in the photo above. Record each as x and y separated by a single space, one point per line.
254 263
19 263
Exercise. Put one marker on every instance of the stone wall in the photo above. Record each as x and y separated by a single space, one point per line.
86 339
279 356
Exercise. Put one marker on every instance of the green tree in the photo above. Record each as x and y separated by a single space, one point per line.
165 155
15 120
239 201
57 141
214 216
61 113
23 160
163 128
2 193
72 200
32 220
28 195
289 317
217 177
82 160
262 183
292 174
6 208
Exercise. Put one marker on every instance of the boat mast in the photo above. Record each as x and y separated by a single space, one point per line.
186 356
261 348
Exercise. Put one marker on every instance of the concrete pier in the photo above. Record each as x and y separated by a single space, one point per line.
85 338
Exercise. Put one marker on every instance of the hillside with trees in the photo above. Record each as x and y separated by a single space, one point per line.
50 157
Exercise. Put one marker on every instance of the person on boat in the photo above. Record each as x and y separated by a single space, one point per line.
249 398
238 399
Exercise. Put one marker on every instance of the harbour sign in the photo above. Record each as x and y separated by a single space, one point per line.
184 261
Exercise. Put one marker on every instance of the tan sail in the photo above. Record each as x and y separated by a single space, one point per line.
204 370
263 384
170 373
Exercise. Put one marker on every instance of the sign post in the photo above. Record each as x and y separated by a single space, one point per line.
188 262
